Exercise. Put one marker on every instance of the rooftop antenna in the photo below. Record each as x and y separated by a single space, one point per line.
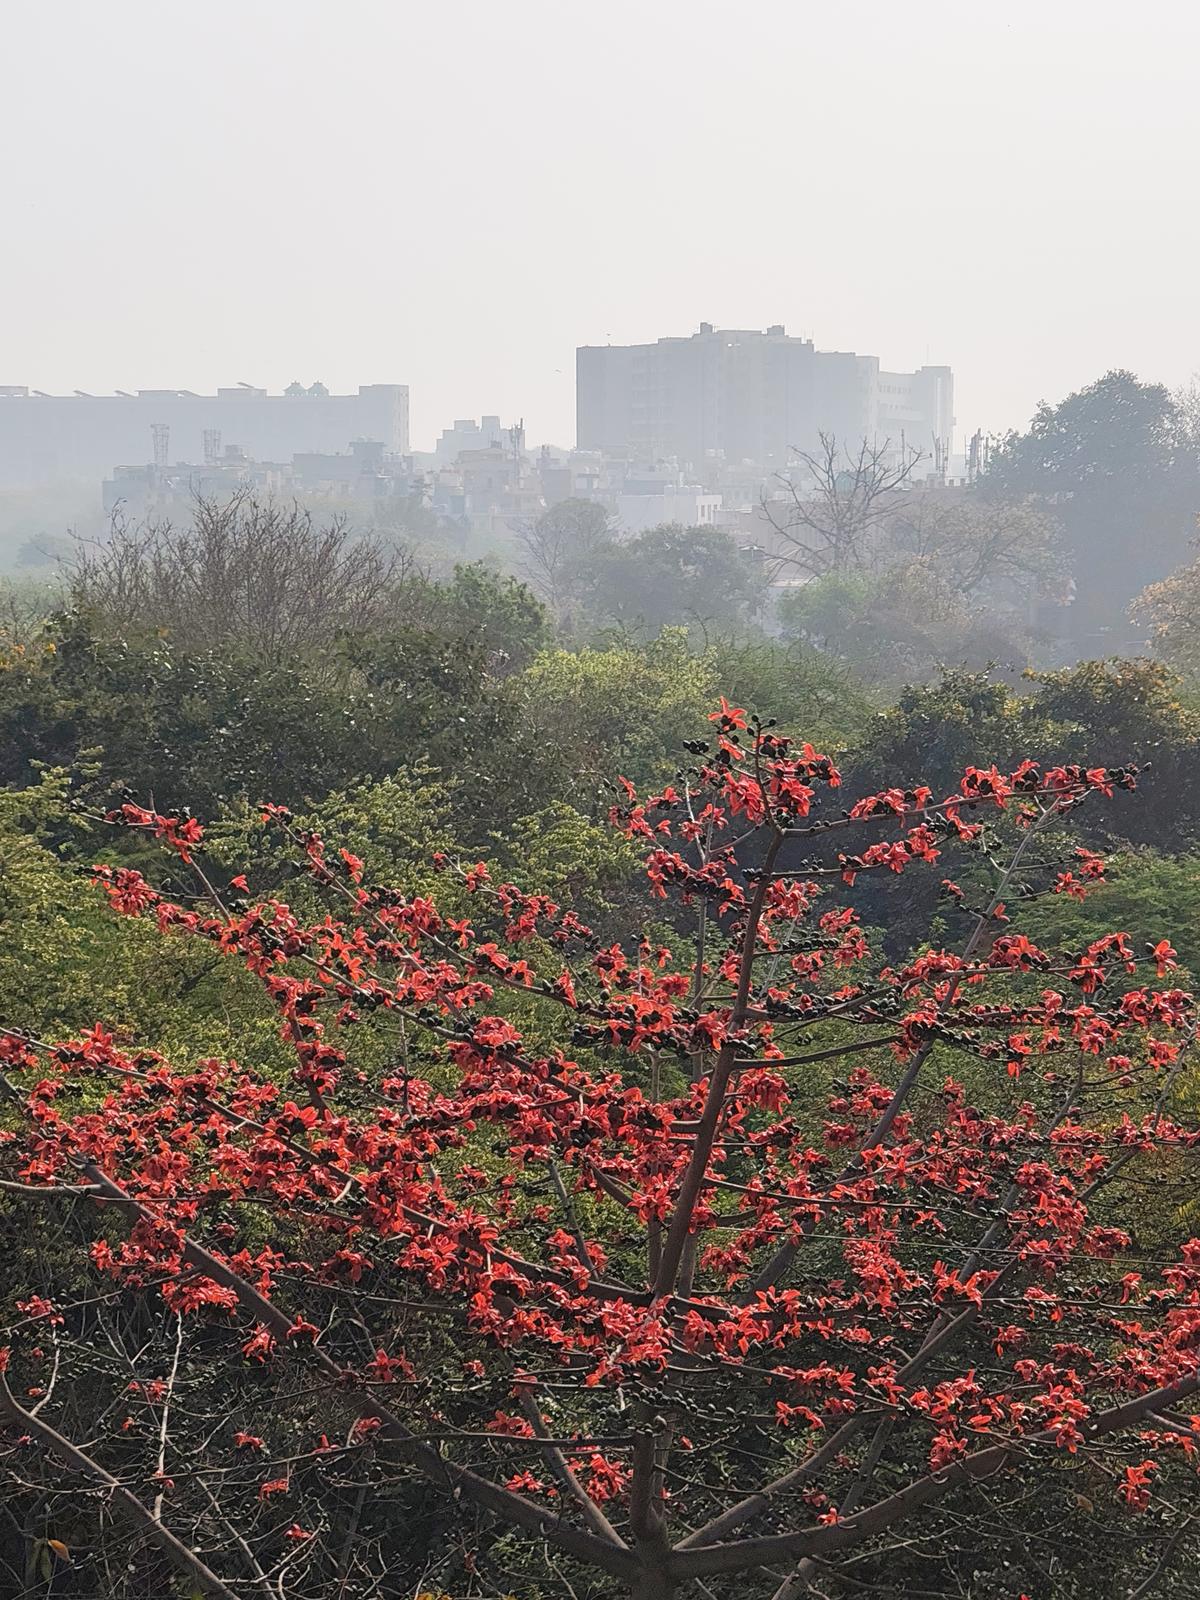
160 432
976 455
516 435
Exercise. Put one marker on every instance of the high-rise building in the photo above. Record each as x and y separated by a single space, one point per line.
47 437
753 396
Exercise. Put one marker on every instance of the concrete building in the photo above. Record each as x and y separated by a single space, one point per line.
752 396
467 434
684 503
366 472
918 409
637 494
365 475
170 493
44 437
581 474
499 484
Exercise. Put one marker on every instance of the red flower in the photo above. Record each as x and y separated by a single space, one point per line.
260 1346
1134 1488
728 716
1163 957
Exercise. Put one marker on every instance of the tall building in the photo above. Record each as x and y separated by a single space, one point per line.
752 396
47 437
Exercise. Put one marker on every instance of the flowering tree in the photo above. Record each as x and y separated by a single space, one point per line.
723 1252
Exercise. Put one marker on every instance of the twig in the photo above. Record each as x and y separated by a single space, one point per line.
166 1412
184 1558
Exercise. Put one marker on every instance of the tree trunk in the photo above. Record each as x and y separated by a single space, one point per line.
653 1583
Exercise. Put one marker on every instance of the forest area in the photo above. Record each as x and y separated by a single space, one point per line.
605 1074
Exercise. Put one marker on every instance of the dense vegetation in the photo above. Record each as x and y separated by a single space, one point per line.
419 717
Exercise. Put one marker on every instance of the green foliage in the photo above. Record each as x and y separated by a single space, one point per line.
672 574
202 728
809 693
829 610
192 729
400 821
1172 610
898 624
1148 896
1111 711
483 608
577 716
1133 706
66 961
1097 712
1115 433
965 718
577 861
1117 464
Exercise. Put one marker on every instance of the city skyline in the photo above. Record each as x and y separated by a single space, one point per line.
855 177
844 422
424 442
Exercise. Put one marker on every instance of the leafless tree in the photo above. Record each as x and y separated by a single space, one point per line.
555 545
258 573
825 520
974 545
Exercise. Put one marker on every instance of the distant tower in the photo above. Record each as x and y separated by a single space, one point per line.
160 432
212 446
516 438
976 456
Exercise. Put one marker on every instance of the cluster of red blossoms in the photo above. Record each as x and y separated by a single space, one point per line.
884 1207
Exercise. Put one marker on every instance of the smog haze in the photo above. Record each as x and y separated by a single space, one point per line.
456 195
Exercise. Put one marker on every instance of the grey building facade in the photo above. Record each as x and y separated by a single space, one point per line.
44 438
751 396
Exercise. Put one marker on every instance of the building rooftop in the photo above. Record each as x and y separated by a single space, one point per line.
241 391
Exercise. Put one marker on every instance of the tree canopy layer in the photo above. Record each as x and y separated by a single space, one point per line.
1119 464
722 1251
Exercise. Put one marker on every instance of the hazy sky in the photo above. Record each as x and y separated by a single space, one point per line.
455 193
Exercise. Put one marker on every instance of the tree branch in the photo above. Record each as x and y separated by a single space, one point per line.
184 1558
